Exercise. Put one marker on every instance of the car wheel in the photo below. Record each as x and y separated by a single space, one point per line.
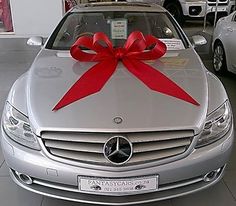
219 59
176 11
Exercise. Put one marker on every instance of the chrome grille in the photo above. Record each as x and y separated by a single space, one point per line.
88 147
220 2
225 1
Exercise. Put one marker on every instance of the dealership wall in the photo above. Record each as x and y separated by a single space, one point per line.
35 18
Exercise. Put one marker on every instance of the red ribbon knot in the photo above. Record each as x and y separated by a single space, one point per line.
119 53
136 49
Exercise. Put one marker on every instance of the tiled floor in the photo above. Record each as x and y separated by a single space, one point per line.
15 58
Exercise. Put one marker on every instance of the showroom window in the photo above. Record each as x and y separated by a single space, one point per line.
5 16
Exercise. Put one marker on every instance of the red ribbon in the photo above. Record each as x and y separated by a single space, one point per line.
131 55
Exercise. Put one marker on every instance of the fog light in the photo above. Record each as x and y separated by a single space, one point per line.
211 176
24 178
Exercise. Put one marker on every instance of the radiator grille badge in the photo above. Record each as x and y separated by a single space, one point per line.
118 150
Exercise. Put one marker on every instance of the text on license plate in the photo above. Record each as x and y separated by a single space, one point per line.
129 185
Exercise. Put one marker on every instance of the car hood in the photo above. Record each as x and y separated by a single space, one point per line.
54 72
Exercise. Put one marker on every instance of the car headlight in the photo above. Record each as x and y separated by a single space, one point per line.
216 126
17 127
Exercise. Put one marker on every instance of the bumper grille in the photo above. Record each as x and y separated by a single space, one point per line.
88 147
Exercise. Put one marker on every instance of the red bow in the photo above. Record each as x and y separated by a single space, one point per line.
134 51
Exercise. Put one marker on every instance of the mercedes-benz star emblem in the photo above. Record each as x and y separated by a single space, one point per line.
118 150
118 120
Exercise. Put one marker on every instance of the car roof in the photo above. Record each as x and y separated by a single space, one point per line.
118 6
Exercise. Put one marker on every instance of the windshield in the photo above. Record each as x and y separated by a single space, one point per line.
117 25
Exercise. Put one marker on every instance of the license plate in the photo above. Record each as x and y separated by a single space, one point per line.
219 9
116 186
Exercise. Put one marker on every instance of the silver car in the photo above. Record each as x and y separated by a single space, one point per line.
132 138
224 45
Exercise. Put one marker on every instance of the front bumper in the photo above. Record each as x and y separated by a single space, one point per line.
60 180
199 9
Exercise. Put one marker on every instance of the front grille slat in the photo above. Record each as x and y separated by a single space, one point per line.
141 157
88 147
79 156
73 146
81 137
150 146
159 136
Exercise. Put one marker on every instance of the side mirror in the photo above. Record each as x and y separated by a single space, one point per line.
198 40
35 41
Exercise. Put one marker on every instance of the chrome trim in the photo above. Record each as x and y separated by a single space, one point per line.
108 167
109 203
75 189
55 186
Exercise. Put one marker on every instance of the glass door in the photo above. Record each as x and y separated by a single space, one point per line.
5 16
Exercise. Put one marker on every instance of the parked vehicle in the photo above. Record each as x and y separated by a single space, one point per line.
224 45
141 124
181 9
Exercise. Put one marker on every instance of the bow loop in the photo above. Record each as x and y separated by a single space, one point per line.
78 54
101 42
135 42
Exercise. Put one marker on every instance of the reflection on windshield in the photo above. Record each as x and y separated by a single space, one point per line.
116 25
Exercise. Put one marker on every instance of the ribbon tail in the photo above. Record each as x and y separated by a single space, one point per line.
157 81
90 82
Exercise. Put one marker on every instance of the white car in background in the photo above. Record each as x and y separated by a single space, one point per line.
224 45
182 9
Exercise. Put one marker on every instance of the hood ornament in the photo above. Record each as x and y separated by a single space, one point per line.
118 120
